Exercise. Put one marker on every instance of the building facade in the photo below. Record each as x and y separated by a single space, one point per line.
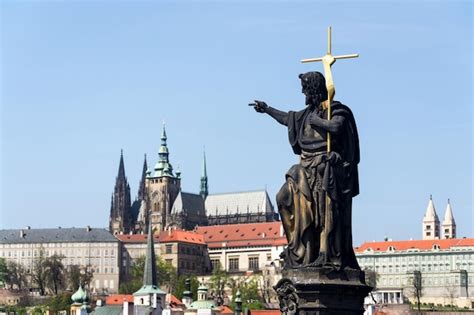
91 248
444 268
184 250
239 248
161 202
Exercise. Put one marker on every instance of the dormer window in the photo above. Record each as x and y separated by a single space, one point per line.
436 247
391 249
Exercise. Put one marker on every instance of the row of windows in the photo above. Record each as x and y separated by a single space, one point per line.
423 267
445 257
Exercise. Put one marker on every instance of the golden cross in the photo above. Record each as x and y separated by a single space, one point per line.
328 60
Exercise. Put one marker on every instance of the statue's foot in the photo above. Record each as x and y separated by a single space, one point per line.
322 259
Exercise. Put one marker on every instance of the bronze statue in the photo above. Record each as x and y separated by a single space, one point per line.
315 203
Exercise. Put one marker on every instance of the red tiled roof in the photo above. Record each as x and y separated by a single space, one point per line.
226 310
164 237
415 244
181 236
116 299
243 235
174 301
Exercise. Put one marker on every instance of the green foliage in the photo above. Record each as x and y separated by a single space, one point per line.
3 271
59 302
166 275
250 294
130 286
219 280
180 286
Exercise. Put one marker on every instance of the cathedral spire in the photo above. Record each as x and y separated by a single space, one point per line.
141 187
121 170
120 212
204 183
149 274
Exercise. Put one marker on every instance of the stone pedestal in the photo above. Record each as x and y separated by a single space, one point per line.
322 291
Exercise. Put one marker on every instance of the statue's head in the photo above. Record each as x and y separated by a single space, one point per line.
314 87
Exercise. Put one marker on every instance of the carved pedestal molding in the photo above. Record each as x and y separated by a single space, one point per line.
322 291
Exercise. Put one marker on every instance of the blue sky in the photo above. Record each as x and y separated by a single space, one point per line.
82 80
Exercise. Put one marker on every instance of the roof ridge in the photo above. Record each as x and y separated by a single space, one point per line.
238 192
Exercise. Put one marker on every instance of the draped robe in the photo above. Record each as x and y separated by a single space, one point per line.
302 199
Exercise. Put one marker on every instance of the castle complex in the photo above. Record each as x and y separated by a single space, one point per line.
161 203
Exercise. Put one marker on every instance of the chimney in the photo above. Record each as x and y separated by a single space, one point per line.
22 234
88 228
27 227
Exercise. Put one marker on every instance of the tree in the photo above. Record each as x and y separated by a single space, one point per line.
250 294
39 273
415 287
16 275
78 275
165 275
55 273
59 302
180 286
3 271
219 280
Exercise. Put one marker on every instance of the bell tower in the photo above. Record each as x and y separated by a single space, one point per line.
162 187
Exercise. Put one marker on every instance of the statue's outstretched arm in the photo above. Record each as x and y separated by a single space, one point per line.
334 126
278 115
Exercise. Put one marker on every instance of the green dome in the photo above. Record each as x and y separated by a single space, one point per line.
202 288
201 305
80 296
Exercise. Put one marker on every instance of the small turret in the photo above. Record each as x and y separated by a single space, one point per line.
431 225
449 225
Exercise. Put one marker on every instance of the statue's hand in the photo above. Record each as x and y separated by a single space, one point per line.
260 107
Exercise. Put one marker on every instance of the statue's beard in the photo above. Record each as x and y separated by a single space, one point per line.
313 100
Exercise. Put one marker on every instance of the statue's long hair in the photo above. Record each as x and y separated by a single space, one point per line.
315 83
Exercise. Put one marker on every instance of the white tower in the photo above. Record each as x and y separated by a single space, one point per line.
449 225
430 222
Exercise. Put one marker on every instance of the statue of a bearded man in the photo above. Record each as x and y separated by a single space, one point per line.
315 203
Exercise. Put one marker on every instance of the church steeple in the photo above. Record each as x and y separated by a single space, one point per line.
162 187
204 192
431 222
150 299
149 274
120 213
163 167
141 187
449 225
121 170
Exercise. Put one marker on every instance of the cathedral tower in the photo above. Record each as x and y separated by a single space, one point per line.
431 222
162 186
204 192
120 220
449 225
